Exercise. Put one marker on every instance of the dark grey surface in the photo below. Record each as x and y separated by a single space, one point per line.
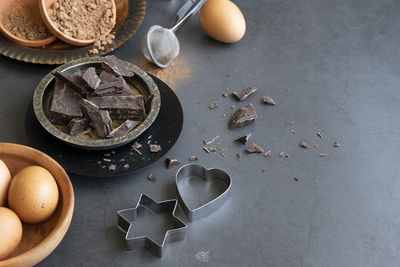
340 60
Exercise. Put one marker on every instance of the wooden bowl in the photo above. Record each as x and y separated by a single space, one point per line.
39 240
34 16
44 5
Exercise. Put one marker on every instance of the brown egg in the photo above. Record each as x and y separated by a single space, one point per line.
5 179
222 20
33 194
10 232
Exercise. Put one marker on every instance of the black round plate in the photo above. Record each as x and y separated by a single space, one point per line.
165 131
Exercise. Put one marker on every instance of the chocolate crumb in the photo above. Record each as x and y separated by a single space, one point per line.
319 133
137 151
152 177
99 162
315 146
221 151
155 148
209 149
264 170
107 160
126 166
243 139
193 158
136 145
267 154
212 105
323 155
224 95
149 137
254 148
232 107
238 156
268 100
293 131
296 179
336 144
291 123
103 167
171 162
112 167
228 75
287 89
283 155
210 141
303 144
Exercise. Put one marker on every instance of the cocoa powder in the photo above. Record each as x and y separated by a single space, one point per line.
83 19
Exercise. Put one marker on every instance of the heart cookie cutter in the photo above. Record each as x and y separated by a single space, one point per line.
127 218
205 208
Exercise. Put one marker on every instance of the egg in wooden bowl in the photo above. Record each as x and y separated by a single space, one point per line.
38 239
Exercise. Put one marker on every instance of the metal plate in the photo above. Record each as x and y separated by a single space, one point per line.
142 82
130 14
165 130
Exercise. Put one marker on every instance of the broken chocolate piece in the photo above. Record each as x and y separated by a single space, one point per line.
222 151
267 154
193 158
107 77
243 116
243 139
123 129
65 104
293 131
336 144
87 106
283 155
121 107
323 155
155 148
76 82
91 78
112 167
210 141
238 156
171 162
303 144
319 134
152 177
77 126
136 145
242 94
114 65
99 118
212 105
268 100
209 149
296 179
254 148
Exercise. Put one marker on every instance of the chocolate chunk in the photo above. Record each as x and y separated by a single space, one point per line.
107 77
112 167
115 66
268 100
212 105
100 118
155 148
91 78
136 145
65 104
121 107
243 116
76 82
126 90
238 156
254 148
243 139
242 94
152 177
123 129
209 149
77 126
117 84
193 158
303 144
87 106
171 162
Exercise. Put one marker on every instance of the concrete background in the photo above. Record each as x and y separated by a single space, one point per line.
340 60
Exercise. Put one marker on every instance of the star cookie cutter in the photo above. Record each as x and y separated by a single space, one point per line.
127 218
215 198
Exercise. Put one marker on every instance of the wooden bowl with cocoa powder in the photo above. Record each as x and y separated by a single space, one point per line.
21 22
76 33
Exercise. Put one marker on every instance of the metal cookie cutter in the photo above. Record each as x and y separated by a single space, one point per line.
127 218
197 197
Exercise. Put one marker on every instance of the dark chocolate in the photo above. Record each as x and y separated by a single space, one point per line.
87 106
212 105
76 82
242 94
91 78
152 177
123 129
243 139
254 148
121 107
243 116
155 148
268 100
137 145
107 77
193 158
113 65
65 104
209 149
77 126
303 144
171 162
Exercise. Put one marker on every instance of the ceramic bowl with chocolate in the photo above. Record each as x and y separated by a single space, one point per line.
97 103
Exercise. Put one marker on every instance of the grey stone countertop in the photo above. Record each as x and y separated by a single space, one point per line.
340 60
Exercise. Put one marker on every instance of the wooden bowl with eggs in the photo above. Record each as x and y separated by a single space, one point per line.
39 239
